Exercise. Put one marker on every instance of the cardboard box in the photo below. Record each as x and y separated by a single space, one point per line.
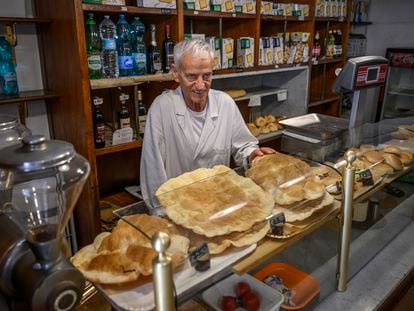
216 47
245 52
266 8
227 53
277 48
197 5
162 4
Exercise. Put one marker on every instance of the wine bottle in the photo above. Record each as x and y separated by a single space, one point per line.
140 115
167 50
123 114
154 55
98 123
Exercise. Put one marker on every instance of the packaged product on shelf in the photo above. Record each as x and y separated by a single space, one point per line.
216 47
238 6
266 8
327 8
297 10
288 9
227 6
265 52
114 2
197 5
277 47
319 9
300 46
249 6
279 9
227 48
334 9
189 36
245 52
163 4
305 9
288 52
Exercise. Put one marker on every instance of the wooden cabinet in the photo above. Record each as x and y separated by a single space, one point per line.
115 167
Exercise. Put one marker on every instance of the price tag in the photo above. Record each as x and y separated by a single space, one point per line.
195 12
233 14
122 136
276 223
366 178
255 101
200 257
270 17
341 18
301 18
166 11
338 185
124 9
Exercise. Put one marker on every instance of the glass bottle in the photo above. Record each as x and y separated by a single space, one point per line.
140 115
154 55
316 48
8 77
123 114
93 48
107 32
124 47
167 50
139 54
98 123
330 44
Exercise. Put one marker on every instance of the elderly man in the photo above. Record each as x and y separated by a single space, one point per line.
192 126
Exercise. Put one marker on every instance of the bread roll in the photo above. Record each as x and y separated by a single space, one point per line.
406 157
394 161
392 149
253 129
260 121
270 119
373 156
382 169
235 93
264 129
366 147
272 127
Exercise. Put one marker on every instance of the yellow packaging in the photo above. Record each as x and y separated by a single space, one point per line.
225 5
245 52
227 48
216 48
114 2
202 5
266 8
277 47
249 6
164 4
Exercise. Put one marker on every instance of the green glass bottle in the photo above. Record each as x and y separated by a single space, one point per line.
93 48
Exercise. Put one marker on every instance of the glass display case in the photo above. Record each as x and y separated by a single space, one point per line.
398 94
382 225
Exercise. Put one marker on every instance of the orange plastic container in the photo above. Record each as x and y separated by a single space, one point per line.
305 286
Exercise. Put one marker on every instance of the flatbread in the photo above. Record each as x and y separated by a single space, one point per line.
219 244
305 209
126 254
221 204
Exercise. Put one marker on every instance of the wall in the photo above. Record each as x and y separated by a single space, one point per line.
28 68
392 25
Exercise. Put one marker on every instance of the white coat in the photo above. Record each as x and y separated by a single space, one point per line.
170 149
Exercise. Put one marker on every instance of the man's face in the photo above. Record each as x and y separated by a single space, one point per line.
194 76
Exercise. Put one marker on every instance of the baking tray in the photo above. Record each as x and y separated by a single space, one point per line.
316 126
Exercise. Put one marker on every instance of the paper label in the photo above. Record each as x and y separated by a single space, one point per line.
122 136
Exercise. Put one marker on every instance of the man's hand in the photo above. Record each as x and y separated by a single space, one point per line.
260 152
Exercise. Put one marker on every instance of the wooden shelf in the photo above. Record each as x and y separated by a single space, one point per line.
27 96
24 20
111 149
285 18
130 80
210 14
127 9
329 19
323 101
327 61
260 92
360 23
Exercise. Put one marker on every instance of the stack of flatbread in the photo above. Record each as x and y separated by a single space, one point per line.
297 188
217 206
126 254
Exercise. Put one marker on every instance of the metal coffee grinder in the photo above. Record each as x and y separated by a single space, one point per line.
40 183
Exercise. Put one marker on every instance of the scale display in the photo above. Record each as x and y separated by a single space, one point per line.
371 75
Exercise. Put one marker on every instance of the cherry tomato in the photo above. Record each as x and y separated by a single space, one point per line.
228 303
250 301
242 288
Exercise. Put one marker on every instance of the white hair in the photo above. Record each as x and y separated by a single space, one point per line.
195 47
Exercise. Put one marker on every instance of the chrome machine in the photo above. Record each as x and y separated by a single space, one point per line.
40 182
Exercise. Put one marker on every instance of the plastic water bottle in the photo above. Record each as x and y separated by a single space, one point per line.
107 31
139 55
8 78
125 62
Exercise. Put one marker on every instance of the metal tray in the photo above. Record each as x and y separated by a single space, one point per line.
316 126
